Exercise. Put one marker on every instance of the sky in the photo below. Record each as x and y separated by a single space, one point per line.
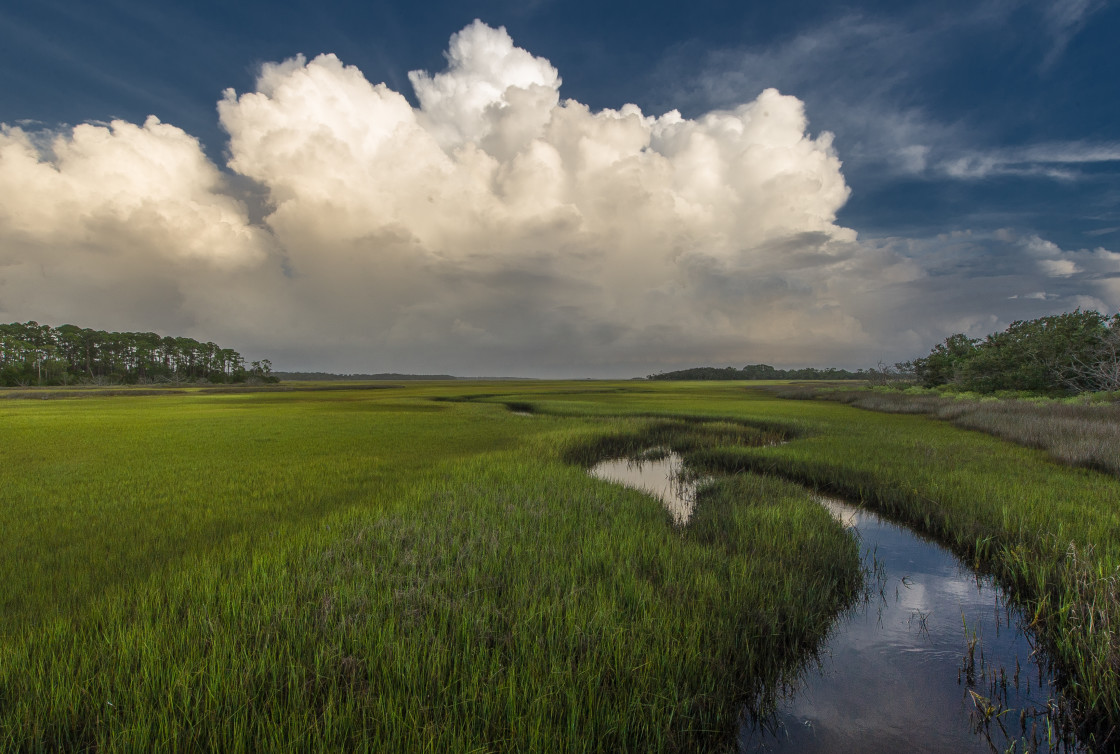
559 189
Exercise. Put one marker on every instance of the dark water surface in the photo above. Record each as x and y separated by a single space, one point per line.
919 665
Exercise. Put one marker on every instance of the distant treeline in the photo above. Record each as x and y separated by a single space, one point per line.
761 372
1074 352
34 354
324 376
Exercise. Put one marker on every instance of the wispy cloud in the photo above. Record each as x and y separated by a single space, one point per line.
852 72
1065 18
1052 160
862 78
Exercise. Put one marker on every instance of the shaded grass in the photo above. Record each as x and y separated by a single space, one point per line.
684 435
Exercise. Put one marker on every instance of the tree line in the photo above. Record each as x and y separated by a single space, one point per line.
34 354
1074 352
761 372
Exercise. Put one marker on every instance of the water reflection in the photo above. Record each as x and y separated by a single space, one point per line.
934 660
659 472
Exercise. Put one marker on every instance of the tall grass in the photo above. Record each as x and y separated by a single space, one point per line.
391 573
1079 434
1050 533
380 570
104 492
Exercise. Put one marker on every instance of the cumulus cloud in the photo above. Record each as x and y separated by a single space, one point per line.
496 228
497 219
114 223
491 92
149 186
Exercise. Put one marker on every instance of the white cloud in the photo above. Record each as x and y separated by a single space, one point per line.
495 229
149 188
1059 268
119 224
497 221
491 91
1097 268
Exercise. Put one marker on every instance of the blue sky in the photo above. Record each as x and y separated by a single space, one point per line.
978 143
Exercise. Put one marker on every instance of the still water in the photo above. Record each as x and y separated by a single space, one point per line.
933 659
658 472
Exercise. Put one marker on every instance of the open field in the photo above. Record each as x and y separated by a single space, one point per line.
419 568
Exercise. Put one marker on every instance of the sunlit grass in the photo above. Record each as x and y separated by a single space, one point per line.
1079 433
105 491
420 568
390 573
1049 532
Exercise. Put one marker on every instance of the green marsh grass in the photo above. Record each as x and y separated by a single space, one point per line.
387 572
1048 532
420 568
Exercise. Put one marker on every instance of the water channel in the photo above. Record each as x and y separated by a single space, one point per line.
933 659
